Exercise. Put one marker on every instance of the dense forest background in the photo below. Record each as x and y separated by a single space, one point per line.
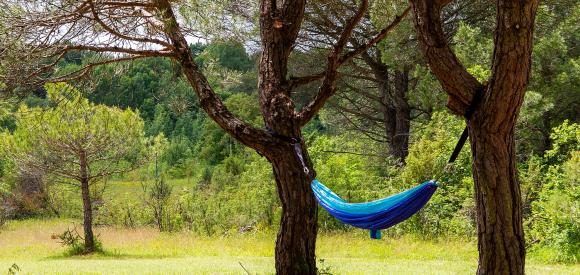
385 131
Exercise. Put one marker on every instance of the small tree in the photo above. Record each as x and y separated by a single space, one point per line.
157 197
158 193
76 142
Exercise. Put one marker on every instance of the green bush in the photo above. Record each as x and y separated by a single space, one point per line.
451 211
554 221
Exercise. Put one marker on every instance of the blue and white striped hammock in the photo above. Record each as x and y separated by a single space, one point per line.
378 214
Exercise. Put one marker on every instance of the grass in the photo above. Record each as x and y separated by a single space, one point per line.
127 190
146 251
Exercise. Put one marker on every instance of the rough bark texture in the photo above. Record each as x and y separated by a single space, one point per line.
501 237
296 240
87 207
491 129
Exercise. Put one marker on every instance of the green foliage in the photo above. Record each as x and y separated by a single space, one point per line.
158 194
230 55
106 134
473 48
554 221
451 209
565 141
71 239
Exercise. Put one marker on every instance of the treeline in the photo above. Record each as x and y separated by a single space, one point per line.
386 130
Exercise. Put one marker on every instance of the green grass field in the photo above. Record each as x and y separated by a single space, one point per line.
28 244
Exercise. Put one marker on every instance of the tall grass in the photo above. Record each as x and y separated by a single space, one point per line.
144 250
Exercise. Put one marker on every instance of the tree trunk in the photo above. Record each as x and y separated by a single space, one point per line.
296 241
88 218
396 109
497 189
491 129
497 192
389 112
400 142
87 207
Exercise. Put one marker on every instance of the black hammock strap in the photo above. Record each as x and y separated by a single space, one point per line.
296 141
470 110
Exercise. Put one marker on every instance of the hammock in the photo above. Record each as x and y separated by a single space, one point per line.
378 214
374 215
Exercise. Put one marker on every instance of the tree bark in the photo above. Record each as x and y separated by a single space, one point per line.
491 129
296 240
498 201
87 207
500 231
400 140
395 107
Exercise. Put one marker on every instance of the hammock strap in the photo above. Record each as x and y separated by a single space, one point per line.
296 143
468 114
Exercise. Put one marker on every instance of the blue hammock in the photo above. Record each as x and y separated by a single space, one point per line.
375 215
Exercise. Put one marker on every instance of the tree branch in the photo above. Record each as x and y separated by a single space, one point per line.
457 82
298 81
328 86
208 99
117 33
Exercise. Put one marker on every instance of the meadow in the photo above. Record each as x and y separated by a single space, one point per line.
183 137
29 245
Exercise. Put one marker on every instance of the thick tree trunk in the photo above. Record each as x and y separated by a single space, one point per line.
491 129
296 242
497 192
497 189
87 207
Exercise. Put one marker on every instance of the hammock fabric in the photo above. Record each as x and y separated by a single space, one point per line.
375 215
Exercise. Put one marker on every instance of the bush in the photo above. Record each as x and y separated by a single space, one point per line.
157 198
554 221
75 242
451 210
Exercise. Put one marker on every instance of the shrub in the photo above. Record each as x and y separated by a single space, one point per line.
74 241
555 211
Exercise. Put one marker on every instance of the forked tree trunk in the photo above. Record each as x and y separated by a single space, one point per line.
296 241
87 208
491 129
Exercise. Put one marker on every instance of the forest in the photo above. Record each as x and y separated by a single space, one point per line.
182 137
